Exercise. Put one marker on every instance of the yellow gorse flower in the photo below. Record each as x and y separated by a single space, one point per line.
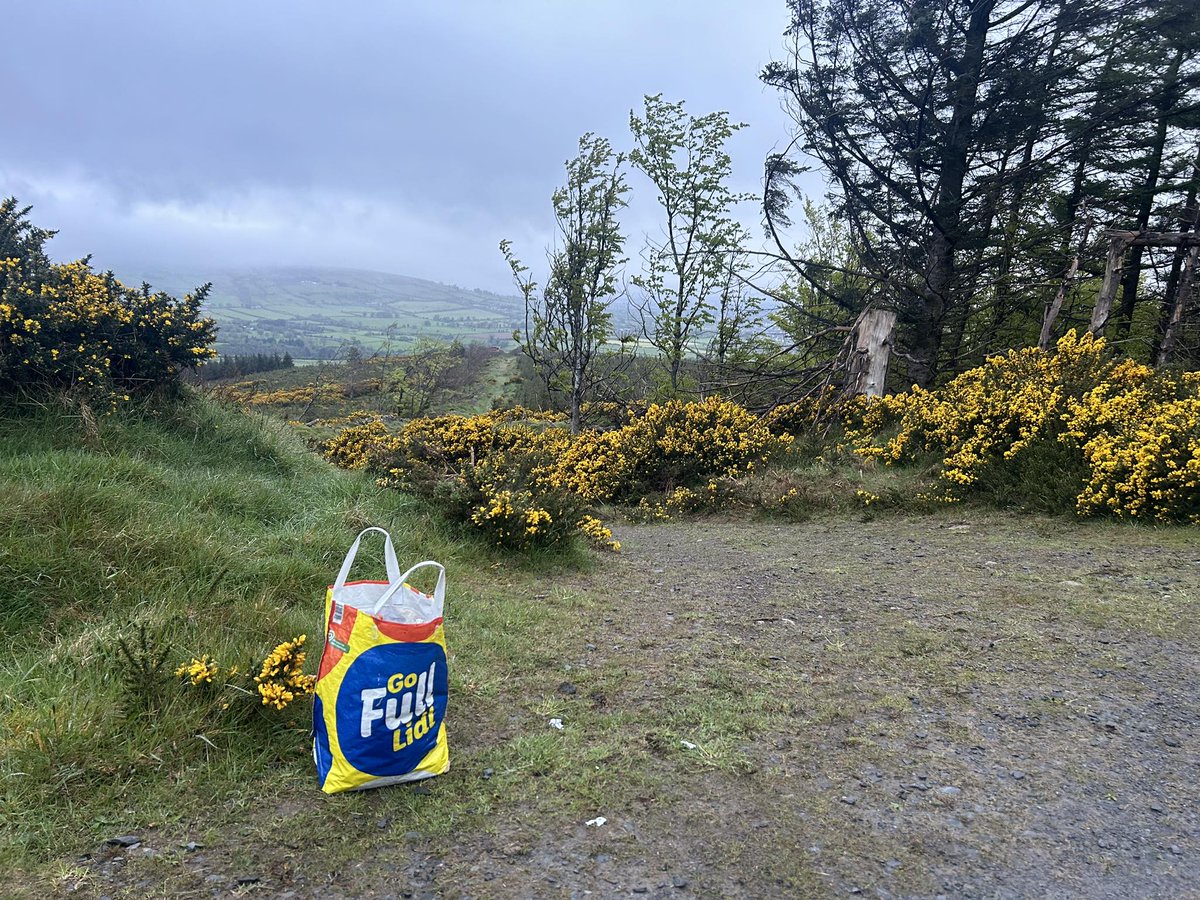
1136 431
200 670
281 677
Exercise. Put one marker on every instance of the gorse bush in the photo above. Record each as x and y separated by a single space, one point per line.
1071 426
514 465
1054 431
65 328
280 679
1140 438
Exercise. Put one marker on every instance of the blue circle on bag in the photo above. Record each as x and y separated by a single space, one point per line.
390 707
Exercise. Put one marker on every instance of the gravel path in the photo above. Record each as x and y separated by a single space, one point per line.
982 707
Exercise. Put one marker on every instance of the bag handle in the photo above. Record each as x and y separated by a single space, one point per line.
389 558
439 592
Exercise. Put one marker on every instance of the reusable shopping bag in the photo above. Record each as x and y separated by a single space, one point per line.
381 687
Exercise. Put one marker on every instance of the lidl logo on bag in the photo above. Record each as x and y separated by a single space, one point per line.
390 705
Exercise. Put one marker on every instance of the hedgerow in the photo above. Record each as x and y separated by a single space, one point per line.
1111 437
1067 429
522 478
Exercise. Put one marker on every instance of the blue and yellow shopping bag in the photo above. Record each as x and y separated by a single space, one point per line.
378 716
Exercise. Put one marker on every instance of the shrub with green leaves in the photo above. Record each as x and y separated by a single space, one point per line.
66 329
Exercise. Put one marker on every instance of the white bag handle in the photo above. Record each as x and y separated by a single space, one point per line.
389 558
439 592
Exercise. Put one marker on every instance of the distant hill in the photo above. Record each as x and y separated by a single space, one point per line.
313 312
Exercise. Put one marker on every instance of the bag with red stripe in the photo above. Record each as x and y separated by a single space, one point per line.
378 716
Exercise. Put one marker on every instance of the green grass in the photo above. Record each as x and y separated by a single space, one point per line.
212 531
370 386
217 532
726 686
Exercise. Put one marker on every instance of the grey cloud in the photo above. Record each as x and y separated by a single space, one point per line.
422 132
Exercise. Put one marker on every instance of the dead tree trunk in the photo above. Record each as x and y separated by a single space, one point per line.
1112 278
1146 193
872 339
1068 282
1183 294
1119 242
1188 221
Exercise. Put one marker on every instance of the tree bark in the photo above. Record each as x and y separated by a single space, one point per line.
872 351
947 210
1118 244
1187 222
1047 335
1183 295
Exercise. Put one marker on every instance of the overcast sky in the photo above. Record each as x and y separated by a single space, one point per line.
406 136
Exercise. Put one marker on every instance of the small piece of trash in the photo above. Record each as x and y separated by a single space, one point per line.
596 822
689 745
557 724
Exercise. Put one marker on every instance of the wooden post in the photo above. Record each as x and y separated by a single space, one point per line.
872 351
1183 293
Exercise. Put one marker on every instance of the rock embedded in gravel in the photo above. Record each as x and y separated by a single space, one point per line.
949 790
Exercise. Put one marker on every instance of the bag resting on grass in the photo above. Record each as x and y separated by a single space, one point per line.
381 687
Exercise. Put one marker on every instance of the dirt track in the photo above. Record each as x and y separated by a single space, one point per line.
983 707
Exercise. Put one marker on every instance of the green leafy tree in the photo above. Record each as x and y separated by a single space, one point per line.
969 144
568 322
684 271
423 372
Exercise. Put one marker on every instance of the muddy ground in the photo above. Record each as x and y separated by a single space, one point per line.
982 706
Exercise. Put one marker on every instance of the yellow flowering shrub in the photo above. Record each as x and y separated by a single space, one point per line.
506 471
816 409
1141 445
199 670
598 534
1109 437
64 327
279 682
281 677
363 446
677 444
682 500
505 497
